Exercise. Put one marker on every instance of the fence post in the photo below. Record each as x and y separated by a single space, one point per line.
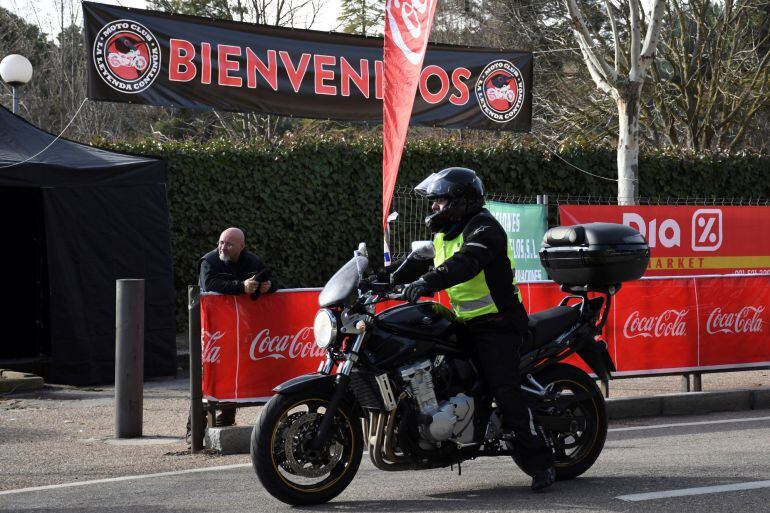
196 393
129 357
697 386
685 382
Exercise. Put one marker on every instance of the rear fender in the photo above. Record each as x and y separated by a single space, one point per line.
596 356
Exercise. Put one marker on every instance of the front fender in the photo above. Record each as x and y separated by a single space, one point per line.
317 383
320 383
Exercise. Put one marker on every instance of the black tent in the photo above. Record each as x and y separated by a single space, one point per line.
75 219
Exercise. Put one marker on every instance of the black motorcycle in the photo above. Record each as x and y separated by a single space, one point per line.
403 382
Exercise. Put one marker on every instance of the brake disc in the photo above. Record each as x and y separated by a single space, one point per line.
301 431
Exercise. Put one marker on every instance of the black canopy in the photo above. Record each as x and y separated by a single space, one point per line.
104 217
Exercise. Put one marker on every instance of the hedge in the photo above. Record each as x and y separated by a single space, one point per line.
305 205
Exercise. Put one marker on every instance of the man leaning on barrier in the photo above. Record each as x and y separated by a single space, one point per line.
230 269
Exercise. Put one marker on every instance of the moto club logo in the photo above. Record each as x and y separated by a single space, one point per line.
127 56
670 323
747 320
409 22
299 345
500 91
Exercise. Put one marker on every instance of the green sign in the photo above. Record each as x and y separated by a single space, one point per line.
525 226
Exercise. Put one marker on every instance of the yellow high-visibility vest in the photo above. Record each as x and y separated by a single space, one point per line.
471 298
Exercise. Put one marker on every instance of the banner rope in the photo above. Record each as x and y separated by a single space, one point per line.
571 164
51 143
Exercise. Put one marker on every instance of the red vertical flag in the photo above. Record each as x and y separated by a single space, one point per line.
407 25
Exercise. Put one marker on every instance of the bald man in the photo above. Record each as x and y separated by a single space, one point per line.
230 269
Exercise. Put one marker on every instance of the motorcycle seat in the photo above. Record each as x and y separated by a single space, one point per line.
547 325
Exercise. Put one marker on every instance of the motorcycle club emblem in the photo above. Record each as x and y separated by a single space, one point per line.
500 91
127 56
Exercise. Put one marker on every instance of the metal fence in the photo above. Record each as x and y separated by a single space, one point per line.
412 209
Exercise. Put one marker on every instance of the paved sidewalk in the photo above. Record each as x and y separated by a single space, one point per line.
61 434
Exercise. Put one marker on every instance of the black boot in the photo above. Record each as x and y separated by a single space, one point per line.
542 479
226 417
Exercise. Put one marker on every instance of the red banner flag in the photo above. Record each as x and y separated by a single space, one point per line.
407 26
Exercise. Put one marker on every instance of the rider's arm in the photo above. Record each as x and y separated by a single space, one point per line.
482 240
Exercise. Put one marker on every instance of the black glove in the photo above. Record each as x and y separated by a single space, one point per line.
416 290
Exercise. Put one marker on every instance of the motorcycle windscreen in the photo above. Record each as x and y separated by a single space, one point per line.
343 283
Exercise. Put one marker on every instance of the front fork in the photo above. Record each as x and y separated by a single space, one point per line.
340 390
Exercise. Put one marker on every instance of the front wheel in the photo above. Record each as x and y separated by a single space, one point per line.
288 468
574 419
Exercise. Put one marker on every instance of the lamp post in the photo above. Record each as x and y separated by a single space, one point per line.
15 70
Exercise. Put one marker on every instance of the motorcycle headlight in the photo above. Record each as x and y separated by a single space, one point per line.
324 328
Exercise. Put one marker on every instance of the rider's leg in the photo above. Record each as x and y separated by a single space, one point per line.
497 347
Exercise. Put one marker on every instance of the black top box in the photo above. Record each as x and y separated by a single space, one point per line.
596 255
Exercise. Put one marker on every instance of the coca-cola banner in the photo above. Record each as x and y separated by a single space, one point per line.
174 60
663 325
654 326
690 240
733 319
249 347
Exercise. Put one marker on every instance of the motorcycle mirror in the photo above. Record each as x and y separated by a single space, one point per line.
423 250
361 251
392 217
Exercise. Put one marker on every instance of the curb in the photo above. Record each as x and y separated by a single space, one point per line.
228 440
13 381
236 439
688 403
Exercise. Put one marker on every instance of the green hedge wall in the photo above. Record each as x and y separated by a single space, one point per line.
305 205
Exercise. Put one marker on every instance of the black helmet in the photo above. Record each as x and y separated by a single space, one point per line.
461 187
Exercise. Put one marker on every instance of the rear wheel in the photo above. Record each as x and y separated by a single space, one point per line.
574 420
282 456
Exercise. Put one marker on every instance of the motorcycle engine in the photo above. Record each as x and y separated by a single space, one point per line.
446 420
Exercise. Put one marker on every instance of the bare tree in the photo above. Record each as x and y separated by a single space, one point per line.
624 88
713 74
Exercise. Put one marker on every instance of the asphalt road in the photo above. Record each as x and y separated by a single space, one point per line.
715 463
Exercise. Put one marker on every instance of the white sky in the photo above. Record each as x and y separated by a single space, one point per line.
46 14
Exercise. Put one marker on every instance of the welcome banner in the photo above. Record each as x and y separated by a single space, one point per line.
656 326
173 60
690 240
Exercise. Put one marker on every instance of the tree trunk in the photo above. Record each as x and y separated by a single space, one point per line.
628 102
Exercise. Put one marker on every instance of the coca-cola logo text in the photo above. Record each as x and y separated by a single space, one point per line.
746 320
300 345
409 23
670 323
209 348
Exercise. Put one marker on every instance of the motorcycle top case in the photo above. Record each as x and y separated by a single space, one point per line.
594 254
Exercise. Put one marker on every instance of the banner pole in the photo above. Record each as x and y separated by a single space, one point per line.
196 393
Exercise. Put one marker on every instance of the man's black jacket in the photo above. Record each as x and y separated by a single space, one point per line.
228 277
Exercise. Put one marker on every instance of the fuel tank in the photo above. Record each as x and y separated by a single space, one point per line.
409 331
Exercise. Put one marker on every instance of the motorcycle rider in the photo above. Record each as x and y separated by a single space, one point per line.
474 264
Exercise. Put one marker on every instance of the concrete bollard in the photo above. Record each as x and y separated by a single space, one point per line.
129 358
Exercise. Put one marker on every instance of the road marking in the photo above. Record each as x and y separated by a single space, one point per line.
123 478
682 424
636 497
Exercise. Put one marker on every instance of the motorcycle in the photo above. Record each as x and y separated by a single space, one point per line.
403 383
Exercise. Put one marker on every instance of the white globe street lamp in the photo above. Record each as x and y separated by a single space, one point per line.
15 70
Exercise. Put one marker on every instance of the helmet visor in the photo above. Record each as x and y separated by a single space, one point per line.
433 187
